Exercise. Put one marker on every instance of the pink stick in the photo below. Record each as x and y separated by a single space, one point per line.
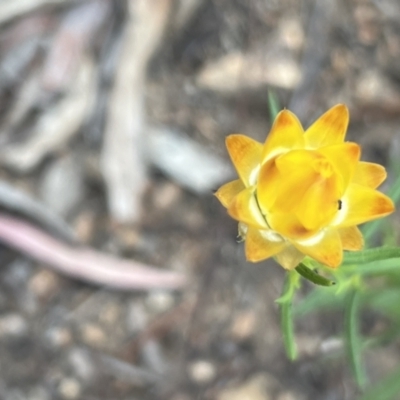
84 263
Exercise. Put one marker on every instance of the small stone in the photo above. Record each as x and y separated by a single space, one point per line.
369 85
81 363
93 335
159 301
69 388
243 325
59 337
308 344
258 387
62 186
136 317
202 371
374 88
340 61
331 345
12 325
128 237
44 284
153 357
166 195
291 33
110 313
84 225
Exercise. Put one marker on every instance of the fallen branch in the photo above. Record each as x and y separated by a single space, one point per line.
54 128
17 201
122 159
84 263
10 10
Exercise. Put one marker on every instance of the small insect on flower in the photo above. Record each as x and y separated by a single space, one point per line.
303 193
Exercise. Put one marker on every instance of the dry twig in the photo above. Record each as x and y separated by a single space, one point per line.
20 202
57 126
123 163
10 10
77 30
84 263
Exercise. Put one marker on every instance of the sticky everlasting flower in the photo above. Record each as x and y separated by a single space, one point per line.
303 193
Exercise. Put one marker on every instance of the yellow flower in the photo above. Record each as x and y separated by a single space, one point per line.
303 193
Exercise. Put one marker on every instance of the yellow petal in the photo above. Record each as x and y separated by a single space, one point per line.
320 204
361 204
296 159
344 158
296 177
369 174
328 129
258 247
289 257
327 249
352 238
244 208
283 181
245 154
289 226
286 134
268 183
227 192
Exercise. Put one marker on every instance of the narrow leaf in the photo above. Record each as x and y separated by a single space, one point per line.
353 339
273 104
369 255
379 267
312 276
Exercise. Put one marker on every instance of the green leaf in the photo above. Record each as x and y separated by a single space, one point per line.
273 104
369 255
285 301
313 276
383 267
386 389
353 340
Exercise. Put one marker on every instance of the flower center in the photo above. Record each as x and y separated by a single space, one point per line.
323 167
298 193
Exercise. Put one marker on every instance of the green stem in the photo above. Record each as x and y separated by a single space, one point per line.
369 255
353 339
285 302
378 268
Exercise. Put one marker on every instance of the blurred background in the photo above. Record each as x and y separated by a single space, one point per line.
121 277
